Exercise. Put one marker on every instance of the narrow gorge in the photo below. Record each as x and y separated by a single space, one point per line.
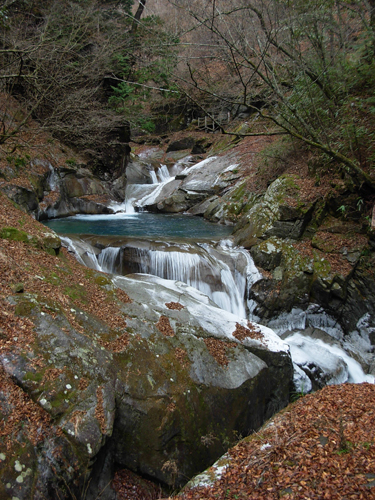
187 250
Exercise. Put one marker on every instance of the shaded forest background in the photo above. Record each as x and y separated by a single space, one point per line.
90 71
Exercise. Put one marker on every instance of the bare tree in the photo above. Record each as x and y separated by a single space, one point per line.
295 64
63 61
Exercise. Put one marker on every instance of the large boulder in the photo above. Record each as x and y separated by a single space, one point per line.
138 172
194 375
67 189
158 379
75 189
283 212
307 254
196 184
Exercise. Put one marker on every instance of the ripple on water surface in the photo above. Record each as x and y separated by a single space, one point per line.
140 225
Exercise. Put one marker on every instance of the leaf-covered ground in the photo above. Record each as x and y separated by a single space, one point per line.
26 268
321 447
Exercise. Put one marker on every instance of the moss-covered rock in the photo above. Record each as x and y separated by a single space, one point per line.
282 212
300 273
163 395
48 242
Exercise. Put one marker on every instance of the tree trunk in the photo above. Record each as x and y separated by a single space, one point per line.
138 16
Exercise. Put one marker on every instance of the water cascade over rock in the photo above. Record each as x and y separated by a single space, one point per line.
221 271
226 273
140 194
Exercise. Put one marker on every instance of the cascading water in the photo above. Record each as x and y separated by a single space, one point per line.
154 177
52 178
225 274
83 252
110 259
139 195
163 173
151 197
220 271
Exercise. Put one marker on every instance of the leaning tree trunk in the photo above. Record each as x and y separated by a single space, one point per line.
138 16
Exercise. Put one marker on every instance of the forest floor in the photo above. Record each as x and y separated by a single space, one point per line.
320 447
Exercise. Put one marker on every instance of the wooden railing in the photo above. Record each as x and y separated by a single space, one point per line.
212 123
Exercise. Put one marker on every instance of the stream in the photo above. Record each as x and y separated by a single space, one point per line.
199 253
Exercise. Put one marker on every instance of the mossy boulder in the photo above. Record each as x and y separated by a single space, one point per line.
163 395
298 273
48 242
282 212
192 380
227 208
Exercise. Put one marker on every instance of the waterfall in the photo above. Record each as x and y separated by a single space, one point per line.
163 173
82 250
138 195
161 176
52 178
151 197
109 260
133 193
220 271
153 177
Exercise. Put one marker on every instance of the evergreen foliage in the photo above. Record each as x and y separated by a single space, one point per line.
306 67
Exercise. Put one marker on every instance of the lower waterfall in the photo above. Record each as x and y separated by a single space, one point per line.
221 271
225 274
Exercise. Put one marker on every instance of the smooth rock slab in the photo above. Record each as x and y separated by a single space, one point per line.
175 396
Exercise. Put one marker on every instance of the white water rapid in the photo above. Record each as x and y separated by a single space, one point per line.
223 272
154 177
139 195
321 353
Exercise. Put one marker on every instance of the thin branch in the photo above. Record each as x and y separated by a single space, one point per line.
113 77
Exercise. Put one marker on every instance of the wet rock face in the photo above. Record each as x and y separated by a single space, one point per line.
63 191
200 386
299 273
138 172
308 255
360 297
165 397
75 191
186 143
195 184
25 198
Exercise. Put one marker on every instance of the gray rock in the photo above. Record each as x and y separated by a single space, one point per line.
185 143
138 172
201 208
206 178
273 215
180 376
25 198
